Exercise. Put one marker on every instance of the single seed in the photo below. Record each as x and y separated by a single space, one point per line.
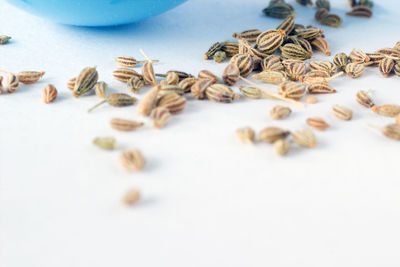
208 75
360 11
272 62
135 84
269 41
244 62
273 77
331 20
12 82
125 125
221 93
318 76
354 70
322 45
160 116
280 112
101 89
309 33
182 75
148 73
231 74
49 93
4 39
295 70
364 99
375 58
199 88
279 10
282 147
389 110
85 81
212 50
323 65
248 35
230 48
132 160
173 102
246 135
172 78
386 66
323 4
342 113
131 197
272 134
311 99
320 88
251 92
389 51
29 77
186 84
148 102
304 2
292 90
293 51
305 138
71 84
219 56
341 60
317 123
321 14
301 42
117 100
358 56
287 25
129 62
168 89
107 143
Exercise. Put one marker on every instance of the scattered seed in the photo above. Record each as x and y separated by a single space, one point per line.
246 135
49 93
132 160
305 138
317 123
125 125
280 112
107 143
282 147
272 134
342 113
131 197
389 110
101 89
160 116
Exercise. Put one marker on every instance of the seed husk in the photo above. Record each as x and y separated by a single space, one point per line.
272 134
311 99
364 99
386 66
199 88
272 62
295 70
287 25
132 160
331 20
282 147
273 77
186 84
71 84
280 112
231 74
342 113
251 92
212 50
160 116
230 48
85 81
292 90
220 93
293 51
173 102
322 45
389 110
219 56
29 77
49 93
358 56
131 197
341 60
125 125
107 143
354 70
320 88
248 35
244 62
208 75
246 135
305 138
360 11
317 123
269 41
324 66
148 102
101 89
117 100
135 84
4 39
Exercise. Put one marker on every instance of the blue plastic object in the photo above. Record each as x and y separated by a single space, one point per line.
96 12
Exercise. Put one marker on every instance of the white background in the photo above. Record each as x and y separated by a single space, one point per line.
208 200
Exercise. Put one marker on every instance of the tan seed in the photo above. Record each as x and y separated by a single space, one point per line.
187 83
231 74
317 123
364 99
107 143
292 90
29 77
354 70
342 113
386 66
101 89
208 75
310 99
272 134
198 89
135 84
160 116
271 76
131 197
280 112
148 102
389 110
132 160
49 93
85 81
246 135
173 102
320 88
125 125
305 138
282 147
148 73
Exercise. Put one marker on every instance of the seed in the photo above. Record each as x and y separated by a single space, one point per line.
301 42
71 84
12 82
131 197
322 45
85 81
293 51
295 70
169 89
282 147
244 62
199 88
172 78
248 35
212 50
331 20
323 4
292 90
272 62
320 88
354 70
342 113
148 102
129 62
219 56
117 100
245 135
304 2
360 11
309 33
317 123
386 66
364 99
397 46
231 74
358 56
186 84
279 10
315 76
107 143
392 131
375 58
251 92
182 75
320 14
305 138
274 77
29 77
4 39
269 41
221 93
323 65
280 112
101 89
311 99
389 51
341 60
173 102
148 73
230 48
135 84
125 125
287 25
272 134
160 117
132 160
389 110
397 68
208 75
49 93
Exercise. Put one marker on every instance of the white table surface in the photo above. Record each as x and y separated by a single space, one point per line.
208 200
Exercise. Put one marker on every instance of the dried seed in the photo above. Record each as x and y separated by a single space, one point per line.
392 131
324 66
12 82
389 51
364 99
49 93
71 84
358 56
221 93
320 14
4 39
107 143
101 89
341 60
323 4
29 77
301 42
272 62
282 147
320 88
169 89
246 135
85 81
322 45
272 134
317 123
360 11
148 102
182 75
292 90
135 84
129 62
354 70
160 116
125 125
244 62
273 77
186 84
148 73
199 88
280 112
389 110
331 20
287 25
212 50
117 100
269 41
304 2
397 46
309 33
279 10
386 66
293 51
251 92
305 138
231 74
248 35
173 102
172 78
230 48
219 56
295 70
342 113
375 58
131 197
311 99
208 75
132 160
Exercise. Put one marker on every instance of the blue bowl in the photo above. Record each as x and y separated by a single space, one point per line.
96 12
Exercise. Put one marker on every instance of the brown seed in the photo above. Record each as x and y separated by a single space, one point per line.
230 48
85 81
29 77
287 25
392 131
341 60
172 78
389 51
272 62
386 66
249 35
131 197
273 77
269 41
311 99
12 82
186 84
317 123
244 62
280 112
292 90
282 147
173 102
320 88
246 135
342 113
320 14
295 70
148 73
148 102
208 75
272 134
220 93
71 84
49 93
132 160
360 11
129 62
135 84
358 56
168 89
389 110
331 20
116 100
101 89
212 50
251 92
324 66
125 125
160 117
364 99
305 138
198 89
322 45
123 74
354 70
231 74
